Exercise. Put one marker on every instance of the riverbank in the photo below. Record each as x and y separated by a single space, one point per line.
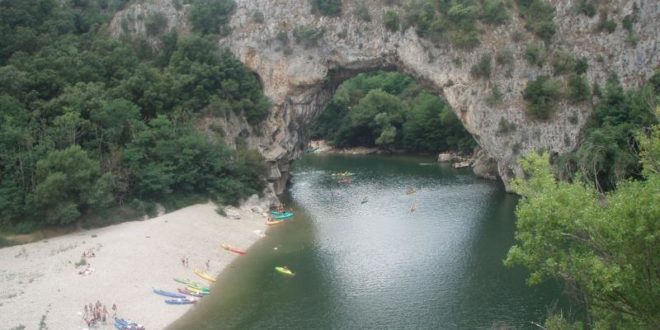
41 284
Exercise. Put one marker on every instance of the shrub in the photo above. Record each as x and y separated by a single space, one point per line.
578 89
494 12
326 7
258 17
211 16
155 23
586 7
606 24
482 68
535 54
504 127
539 15
362 12
495 96
504 57
391 20
308 36
563 62
541 96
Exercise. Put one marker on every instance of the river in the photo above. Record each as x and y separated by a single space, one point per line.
364 260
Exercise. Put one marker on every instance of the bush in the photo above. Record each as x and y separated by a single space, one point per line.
564 62
578 89
391 20
155 23
504 57
362 12
535 54
495 96
539 15
308 36
495 12
326 7
482 68
211 16
586 7
541 96
258 17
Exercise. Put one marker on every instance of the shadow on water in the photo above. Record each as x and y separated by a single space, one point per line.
364 260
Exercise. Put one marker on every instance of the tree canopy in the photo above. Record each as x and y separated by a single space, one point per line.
91 124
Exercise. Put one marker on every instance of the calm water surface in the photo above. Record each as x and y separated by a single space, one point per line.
377 265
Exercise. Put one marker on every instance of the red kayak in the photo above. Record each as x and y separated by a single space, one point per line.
233 249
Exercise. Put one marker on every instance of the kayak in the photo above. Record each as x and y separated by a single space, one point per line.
181 301
197 290
204 275
274 222
190 293
191 283
282 215
122 324
233 249
168 294
284 270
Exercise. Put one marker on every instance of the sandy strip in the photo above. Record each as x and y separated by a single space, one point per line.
40 279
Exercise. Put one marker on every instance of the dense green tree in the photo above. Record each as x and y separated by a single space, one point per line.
68 183
211 16
389 109
604 246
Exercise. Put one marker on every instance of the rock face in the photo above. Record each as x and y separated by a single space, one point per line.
300 80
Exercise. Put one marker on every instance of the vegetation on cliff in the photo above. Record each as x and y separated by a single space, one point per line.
390 110
597 230
91 124
602 246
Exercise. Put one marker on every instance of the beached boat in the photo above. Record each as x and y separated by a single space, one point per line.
122 324
275 222
282 215
233 249
204 275
191 283
168 294
284 270
190 293
197 290
181 301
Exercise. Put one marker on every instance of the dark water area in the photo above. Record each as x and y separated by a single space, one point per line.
364 260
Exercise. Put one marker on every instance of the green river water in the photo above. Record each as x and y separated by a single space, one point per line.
372 263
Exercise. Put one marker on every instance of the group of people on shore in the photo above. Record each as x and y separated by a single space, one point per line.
83 262
95 313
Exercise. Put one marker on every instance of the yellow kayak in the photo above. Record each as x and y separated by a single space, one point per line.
284 270
204 275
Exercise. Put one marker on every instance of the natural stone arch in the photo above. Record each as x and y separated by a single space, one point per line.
298 80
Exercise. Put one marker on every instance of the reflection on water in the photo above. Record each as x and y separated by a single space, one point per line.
363 260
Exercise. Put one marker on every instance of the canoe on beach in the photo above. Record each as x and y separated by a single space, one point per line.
282 215
168 294
204 275
198 291
190 293
122 324
233 249
181 301
275 222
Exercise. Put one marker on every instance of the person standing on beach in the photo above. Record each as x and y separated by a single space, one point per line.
208 264
114 311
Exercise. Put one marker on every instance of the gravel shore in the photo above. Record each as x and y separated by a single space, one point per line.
40 282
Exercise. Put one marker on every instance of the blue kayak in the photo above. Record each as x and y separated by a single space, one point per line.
281 215
183 301
168 294
122 324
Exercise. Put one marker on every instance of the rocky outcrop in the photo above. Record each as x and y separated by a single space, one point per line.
300 80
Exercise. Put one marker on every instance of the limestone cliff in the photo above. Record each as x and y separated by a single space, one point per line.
300 80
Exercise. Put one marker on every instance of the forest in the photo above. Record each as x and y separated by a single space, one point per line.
94 127
391 111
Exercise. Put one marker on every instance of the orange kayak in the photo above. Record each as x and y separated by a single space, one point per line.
233 249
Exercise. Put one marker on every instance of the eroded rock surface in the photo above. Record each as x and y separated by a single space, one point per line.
300 81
